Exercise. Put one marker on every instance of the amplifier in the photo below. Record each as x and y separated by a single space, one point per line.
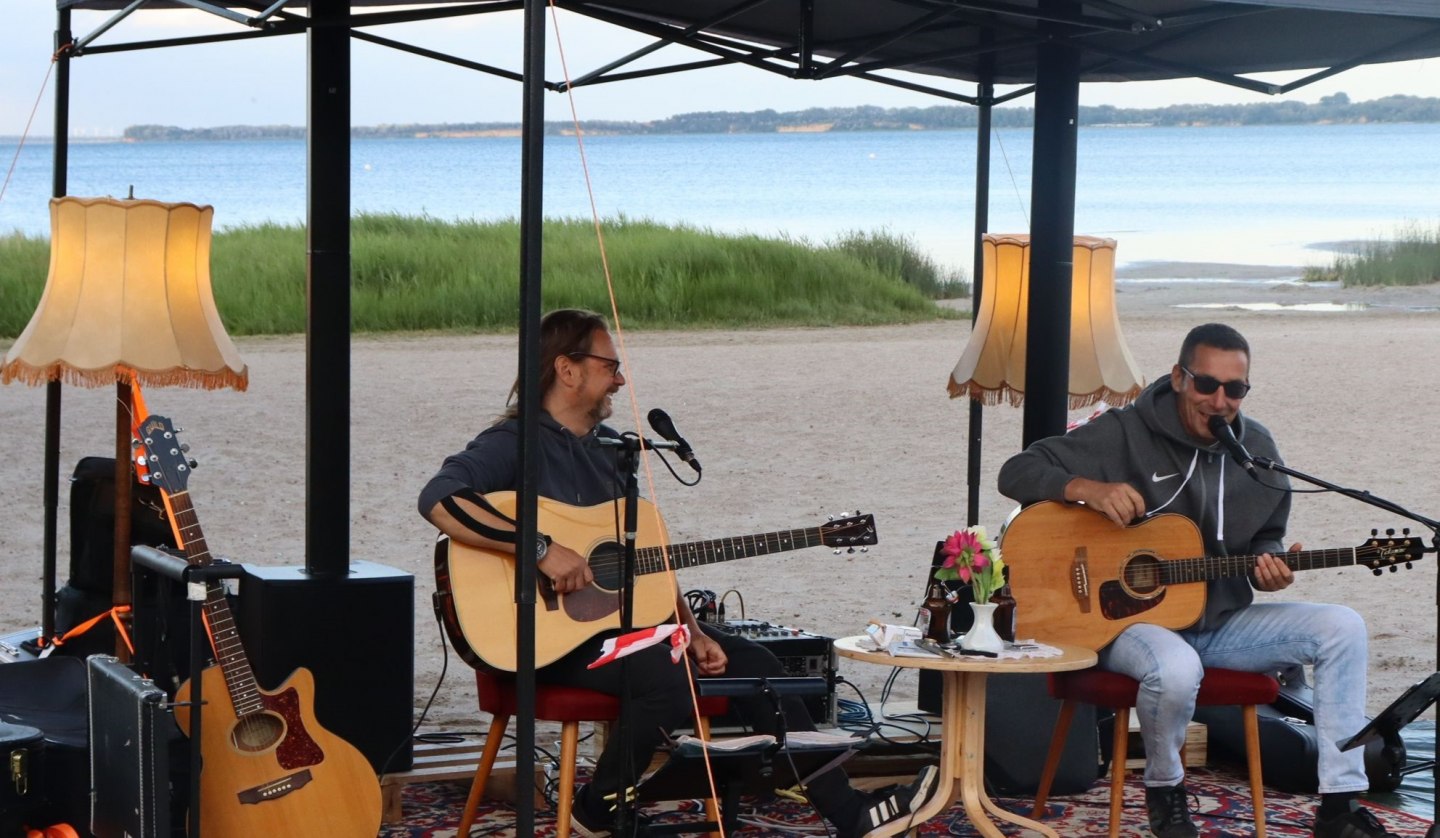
802 654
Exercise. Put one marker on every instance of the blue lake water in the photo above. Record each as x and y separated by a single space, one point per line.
1257 195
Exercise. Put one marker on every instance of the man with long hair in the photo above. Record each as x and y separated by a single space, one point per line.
579 376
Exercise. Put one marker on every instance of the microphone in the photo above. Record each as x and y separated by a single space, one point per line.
665 426
1226 437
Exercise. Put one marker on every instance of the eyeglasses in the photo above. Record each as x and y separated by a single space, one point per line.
1206 385
613 362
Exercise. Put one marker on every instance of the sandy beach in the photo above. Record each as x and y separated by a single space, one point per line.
792 425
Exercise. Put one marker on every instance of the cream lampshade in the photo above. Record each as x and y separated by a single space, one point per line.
992 368
129 289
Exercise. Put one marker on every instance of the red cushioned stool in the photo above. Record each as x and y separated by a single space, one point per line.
569 706
1219 687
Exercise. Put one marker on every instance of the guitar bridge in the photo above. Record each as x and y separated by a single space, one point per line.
275 788
1080 579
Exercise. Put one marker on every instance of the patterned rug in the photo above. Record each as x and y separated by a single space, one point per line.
1221 803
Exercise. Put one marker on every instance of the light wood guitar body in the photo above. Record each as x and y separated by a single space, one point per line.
476 586
275 772
1078 578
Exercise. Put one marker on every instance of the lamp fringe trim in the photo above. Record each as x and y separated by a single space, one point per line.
199 379
991 396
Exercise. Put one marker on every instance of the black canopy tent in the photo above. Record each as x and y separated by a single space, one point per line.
1053 45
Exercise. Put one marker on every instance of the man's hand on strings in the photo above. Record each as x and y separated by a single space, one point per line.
1272 574
708 656
566 569
1120 502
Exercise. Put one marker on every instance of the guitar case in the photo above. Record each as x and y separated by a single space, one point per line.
48 696
1289 740
22 798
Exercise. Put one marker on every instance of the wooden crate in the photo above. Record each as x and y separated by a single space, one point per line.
1195 746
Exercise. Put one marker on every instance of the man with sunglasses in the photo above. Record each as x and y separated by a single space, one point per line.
1159 454
579 376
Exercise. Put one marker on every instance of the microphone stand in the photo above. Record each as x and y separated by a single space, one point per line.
1395 508
627 463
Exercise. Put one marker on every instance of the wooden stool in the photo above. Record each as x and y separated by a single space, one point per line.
1219 687
569 706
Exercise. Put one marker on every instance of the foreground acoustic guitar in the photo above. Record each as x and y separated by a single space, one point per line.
475 587
270 769
1078 578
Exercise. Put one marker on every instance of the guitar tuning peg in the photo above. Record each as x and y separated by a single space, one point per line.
1377 571
1390 531
837 551
194 465
851 550
184 446
1374 532
864 549
1409 565
1405 531
1393 568
830 518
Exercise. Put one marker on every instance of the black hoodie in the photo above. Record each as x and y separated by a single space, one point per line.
1145 445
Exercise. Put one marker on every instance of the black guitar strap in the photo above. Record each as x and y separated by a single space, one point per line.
471 523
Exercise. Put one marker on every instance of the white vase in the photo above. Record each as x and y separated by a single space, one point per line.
982 637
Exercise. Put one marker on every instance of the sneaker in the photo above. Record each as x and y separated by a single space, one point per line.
1356 823
896 804
1170 812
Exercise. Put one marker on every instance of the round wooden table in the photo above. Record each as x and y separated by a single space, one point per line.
962 739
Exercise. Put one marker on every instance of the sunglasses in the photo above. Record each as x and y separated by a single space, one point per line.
613 362
1206 385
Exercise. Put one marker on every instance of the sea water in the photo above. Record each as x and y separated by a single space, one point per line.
1263 195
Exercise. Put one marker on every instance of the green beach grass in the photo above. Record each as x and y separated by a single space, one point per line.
1411 257
422 274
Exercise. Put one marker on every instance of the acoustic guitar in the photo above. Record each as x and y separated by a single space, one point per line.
270 769
1080 579
475 587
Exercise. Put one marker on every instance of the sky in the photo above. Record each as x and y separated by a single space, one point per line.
262 82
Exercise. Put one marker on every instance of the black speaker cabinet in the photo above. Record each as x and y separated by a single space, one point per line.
355 634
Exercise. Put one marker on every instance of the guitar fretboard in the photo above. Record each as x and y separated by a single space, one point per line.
1206 568
224 637
696 553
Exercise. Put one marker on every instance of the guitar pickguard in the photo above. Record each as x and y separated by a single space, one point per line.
297 749
1117 604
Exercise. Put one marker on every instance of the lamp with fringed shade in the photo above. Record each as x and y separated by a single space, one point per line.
128 290
992 368
127 300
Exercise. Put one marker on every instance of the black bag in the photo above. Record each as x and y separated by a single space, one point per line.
1289 741
92 523
22 756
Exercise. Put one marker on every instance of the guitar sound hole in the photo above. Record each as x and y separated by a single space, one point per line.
605 564
257 732
1141 575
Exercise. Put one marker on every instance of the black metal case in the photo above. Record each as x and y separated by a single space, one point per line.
130 727
22 749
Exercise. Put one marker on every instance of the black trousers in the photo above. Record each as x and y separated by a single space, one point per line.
659 701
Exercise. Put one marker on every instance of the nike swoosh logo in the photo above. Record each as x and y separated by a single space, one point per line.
1156 477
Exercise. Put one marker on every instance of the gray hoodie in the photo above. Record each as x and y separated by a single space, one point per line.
1145 445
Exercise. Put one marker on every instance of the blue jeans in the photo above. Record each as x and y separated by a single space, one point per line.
1263 637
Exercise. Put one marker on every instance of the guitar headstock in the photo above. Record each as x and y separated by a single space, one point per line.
852 531
164 455
1389 550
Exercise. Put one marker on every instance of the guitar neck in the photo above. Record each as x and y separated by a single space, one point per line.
224 637
1207 568
696 553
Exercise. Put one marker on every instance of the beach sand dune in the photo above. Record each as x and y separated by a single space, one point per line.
792 425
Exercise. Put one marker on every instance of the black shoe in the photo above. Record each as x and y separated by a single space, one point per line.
895 804
1356 823
1170 812
587 823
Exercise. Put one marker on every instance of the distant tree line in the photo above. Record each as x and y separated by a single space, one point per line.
1336 108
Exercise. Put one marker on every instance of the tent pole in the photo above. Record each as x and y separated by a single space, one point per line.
532 183
985 95
1052 230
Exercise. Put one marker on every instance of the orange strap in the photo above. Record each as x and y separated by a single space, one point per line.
113 613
